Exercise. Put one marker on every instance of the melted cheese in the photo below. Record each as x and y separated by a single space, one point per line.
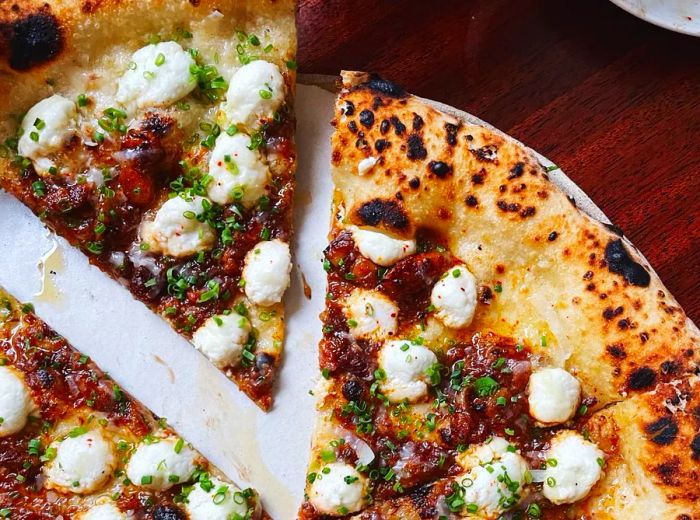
266 272
158 75
454 297
222 502
46 128
255 92
238 173
222 338
338 489
162 464
553 395
575 468
380 247
405 365
82 463
370 314
15 401
175 230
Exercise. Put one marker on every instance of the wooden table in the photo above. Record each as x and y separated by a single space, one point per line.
611 99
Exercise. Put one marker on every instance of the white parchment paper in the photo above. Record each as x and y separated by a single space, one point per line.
158 367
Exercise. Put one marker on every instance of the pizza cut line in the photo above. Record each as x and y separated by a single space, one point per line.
488 350
73 444
157 137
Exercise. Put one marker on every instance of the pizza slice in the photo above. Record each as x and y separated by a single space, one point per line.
73 444
158 137
475 321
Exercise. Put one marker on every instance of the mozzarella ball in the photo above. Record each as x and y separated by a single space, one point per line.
175 230
158 75
82 464
574 466
553 395
46 128
102 512
256 90
266 272
381 248
489 467
222 502
405 364
15 401
238 173
486 485
222 338
338 489
454 297
162 464
370 314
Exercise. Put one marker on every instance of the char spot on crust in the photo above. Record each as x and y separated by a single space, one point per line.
615 229
471 201
399 127
668 471
381 144
349 108
663 431
387 212
552 236
386 87
451 133
417 122
440 169
367 118
641 378
33 40
619 262
487 153
517 170
617 351
416 150
695 446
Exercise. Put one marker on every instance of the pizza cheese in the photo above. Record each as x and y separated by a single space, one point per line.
158 138
488 350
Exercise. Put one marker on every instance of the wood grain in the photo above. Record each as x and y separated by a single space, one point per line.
611 99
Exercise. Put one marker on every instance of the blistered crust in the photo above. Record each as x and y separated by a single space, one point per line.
653 446
571 287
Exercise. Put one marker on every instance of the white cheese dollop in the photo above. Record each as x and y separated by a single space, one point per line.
380 247
102 512
46 128
256 90
405 364
338 489
574 466
266 272
494 478
158 75
221 338
454 297
15 401
370 314
238 173
82 464
553 395
161 464
175 230
222 502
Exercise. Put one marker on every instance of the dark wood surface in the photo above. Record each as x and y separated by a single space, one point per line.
613 100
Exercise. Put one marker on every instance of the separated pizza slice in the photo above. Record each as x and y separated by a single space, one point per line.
475 320
158 138
73 444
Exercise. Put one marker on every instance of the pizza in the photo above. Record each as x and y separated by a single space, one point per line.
488 349
158 137
73 444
